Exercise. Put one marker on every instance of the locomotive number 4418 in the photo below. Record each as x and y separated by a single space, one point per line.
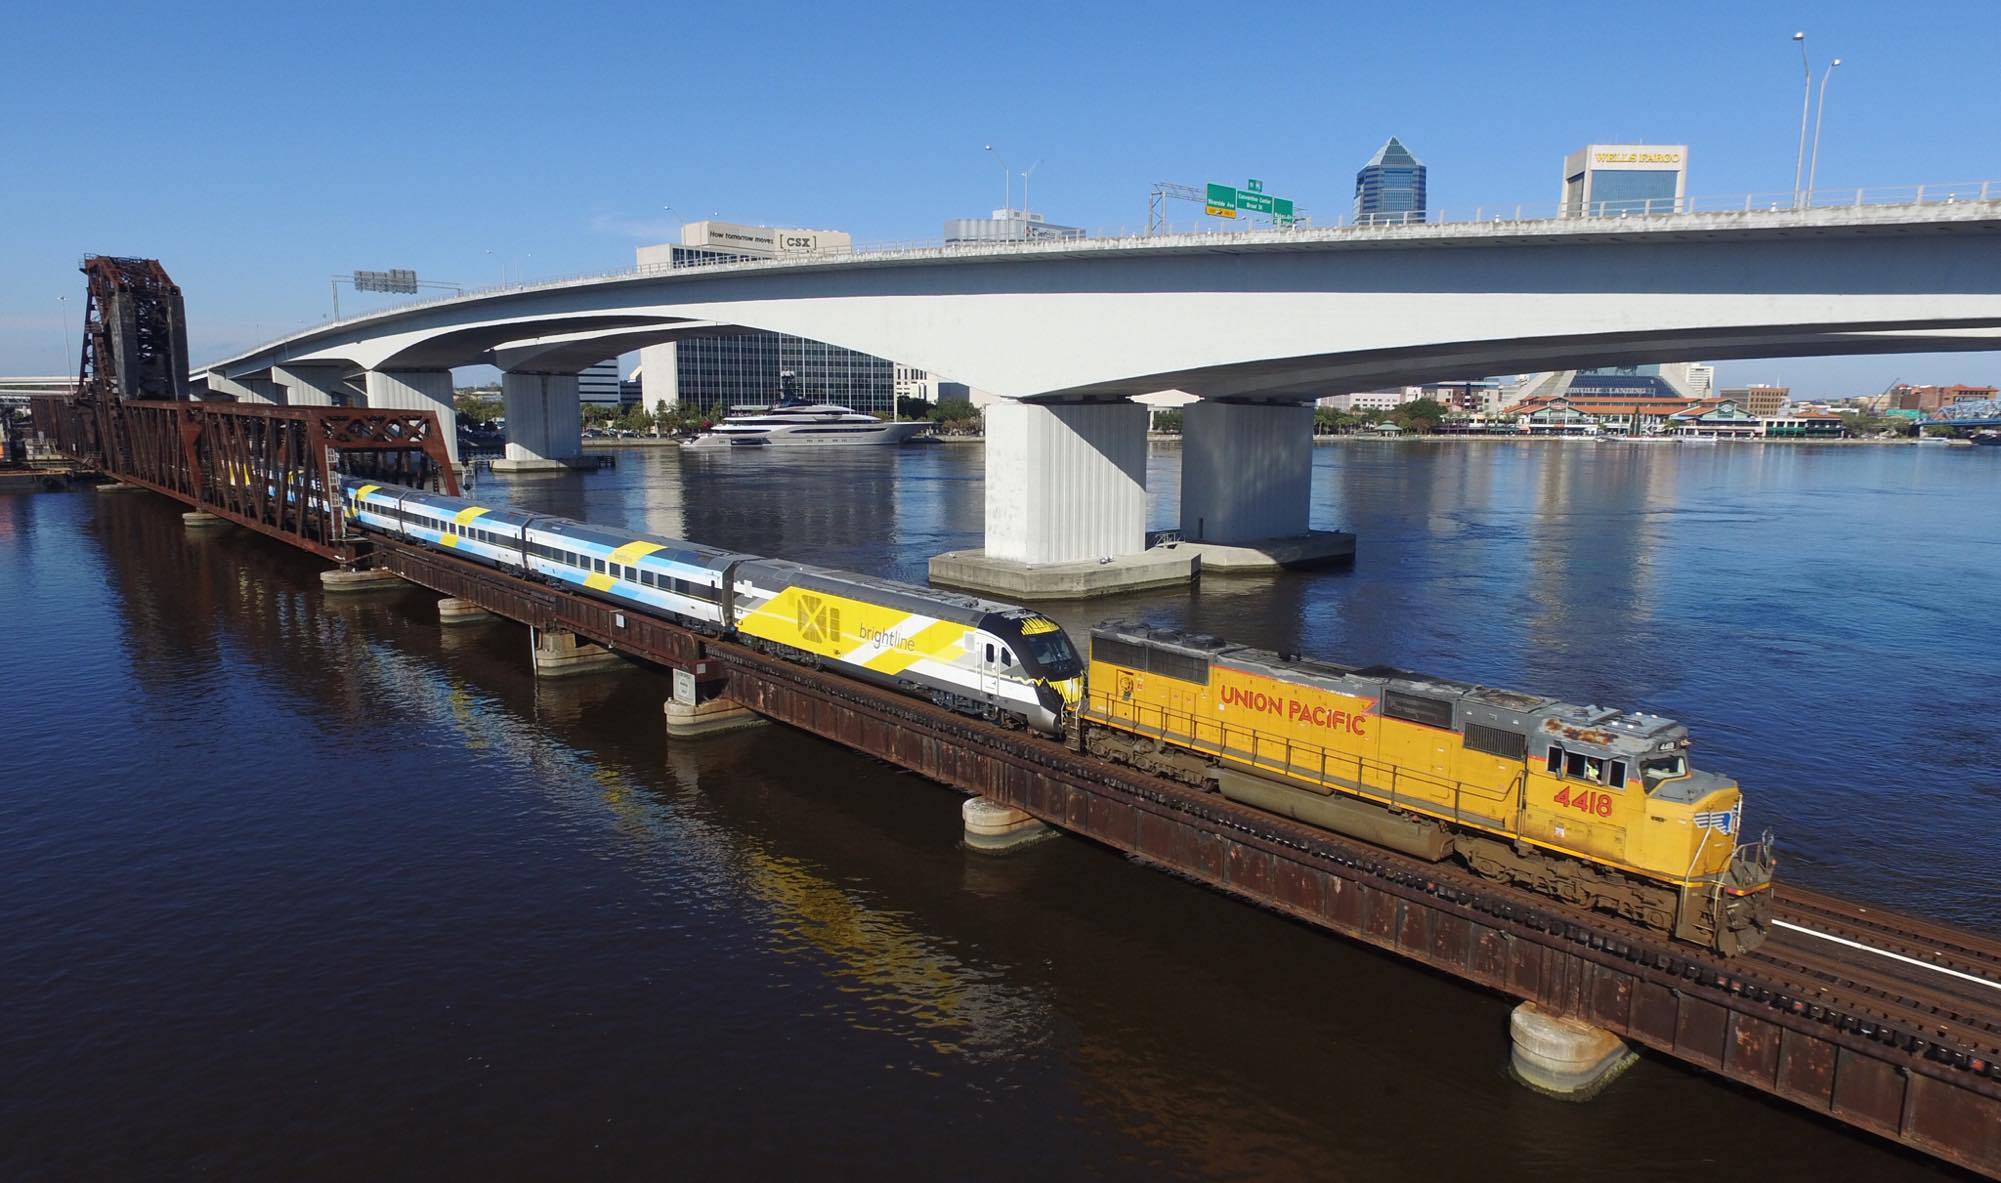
1586 800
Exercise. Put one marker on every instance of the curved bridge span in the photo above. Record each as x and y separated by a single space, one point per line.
1257 325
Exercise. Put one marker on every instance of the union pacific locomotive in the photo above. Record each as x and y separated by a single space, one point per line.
1596 807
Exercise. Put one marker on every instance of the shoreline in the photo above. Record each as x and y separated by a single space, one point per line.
1154 437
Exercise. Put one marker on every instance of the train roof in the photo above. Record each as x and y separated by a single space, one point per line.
943 605
680 548
1546 720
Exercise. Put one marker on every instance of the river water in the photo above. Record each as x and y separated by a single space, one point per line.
304 888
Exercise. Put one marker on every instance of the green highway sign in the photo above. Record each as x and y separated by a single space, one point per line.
1251 197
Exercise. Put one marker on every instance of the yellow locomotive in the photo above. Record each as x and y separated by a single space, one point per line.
1596 807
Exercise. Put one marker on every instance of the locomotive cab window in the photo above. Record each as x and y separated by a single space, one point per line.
1663 768
1555 761
1007 659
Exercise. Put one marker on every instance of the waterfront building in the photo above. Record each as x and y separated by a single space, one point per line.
1905 397
598 385
1611 180
1390 187
748 368
1762 401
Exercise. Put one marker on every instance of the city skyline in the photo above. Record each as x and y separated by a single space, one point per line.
447 171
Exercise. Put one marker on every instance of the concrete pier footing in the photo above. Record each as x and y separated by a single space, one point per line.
116 487
1316 548
559 654
343 581
456 611
979 570
200 520
714 717
1564 1057
993 827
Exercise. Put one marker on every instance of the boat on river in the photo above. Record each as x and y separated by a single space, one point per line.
797 423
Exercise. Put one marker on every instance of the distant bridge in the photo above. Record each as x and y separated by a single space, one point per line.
1257 324
1985 413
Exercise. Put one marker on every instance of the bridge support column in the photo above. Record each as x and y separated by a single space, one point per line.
1562 1056
453 611
313 385
559 654
1066 505
545 426
1247 487
257 391
993 827
417 390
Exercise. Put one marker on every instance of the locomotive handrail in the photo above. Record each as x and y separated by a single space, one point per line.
1190 727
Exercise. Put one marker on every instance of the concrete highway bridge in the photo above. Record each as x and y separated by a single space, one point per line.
1256 324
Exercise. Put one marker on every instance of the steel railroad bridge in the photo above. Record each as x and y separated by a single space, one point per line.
1886 1023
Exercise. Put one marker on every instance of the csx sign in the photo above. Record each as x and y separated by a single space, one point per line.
798 242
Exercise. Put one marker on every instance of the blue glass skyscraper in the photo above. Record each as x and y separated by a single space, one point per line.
1390 188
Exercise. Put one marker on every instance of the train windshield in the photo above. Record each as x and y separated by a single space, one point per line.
1662 768
1053 653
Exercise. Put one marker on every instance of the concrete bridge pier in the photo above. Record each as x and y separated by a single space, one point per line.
256 391
1066 505
560 654
417 390
1247 487
545 426
1562 1056
312 385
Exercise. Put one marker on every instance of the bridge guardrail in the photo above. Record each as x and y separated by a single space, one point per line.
1636 213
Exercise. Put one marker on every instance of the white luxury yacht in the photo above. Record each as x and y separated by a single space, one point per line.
794 424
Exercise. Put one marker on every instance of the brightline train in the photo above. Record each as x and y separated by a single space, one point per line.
1598 808
972 655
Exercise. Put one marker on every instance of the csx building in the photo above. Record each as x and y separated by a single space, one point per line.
752 367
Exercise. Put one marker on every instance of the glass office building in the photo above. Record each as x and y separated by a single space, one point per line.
1622 180
1390 188
753 368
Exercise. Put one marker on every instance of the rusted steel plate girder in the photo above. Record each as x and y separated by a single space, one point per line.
1666 998
272 469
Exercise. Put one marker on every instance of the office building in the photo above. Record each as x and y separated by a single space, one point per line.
598 385
1008 225
1761 401
749 368
1390 188
1614 180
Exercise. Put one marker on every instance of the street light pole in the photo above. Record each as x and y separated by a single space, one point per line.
1806 100
64 302
1007 181
1819 113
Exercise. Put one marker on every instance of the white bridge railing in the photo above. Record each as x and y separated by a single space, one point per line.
1637 214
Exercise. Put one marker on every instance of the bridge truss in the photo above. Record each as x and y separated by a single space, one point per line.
272 469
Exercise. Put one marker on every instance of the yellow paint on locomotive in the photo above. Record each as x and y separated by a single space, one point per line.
1330 742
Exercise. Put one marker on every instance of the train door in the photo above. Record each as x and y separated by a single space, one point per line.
989 657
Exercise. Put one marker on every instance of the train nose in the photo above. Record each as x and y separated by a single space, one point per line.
1072 690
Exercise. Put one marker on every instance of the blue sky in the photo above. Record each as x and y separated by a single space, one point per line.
258 149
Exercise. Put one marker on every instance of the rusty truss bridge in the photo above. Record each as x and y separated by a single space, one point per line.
1886 1023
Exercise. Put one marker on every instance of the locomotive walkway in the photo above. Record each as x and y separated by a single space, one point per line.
1886 1023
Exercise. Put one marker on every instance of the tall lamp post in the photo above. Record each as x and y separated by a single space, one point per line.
1007 180
63 303
1819 113
1806 100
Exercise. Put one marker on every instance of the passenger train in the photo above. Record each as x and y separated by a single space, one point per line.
1596 807
968 654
